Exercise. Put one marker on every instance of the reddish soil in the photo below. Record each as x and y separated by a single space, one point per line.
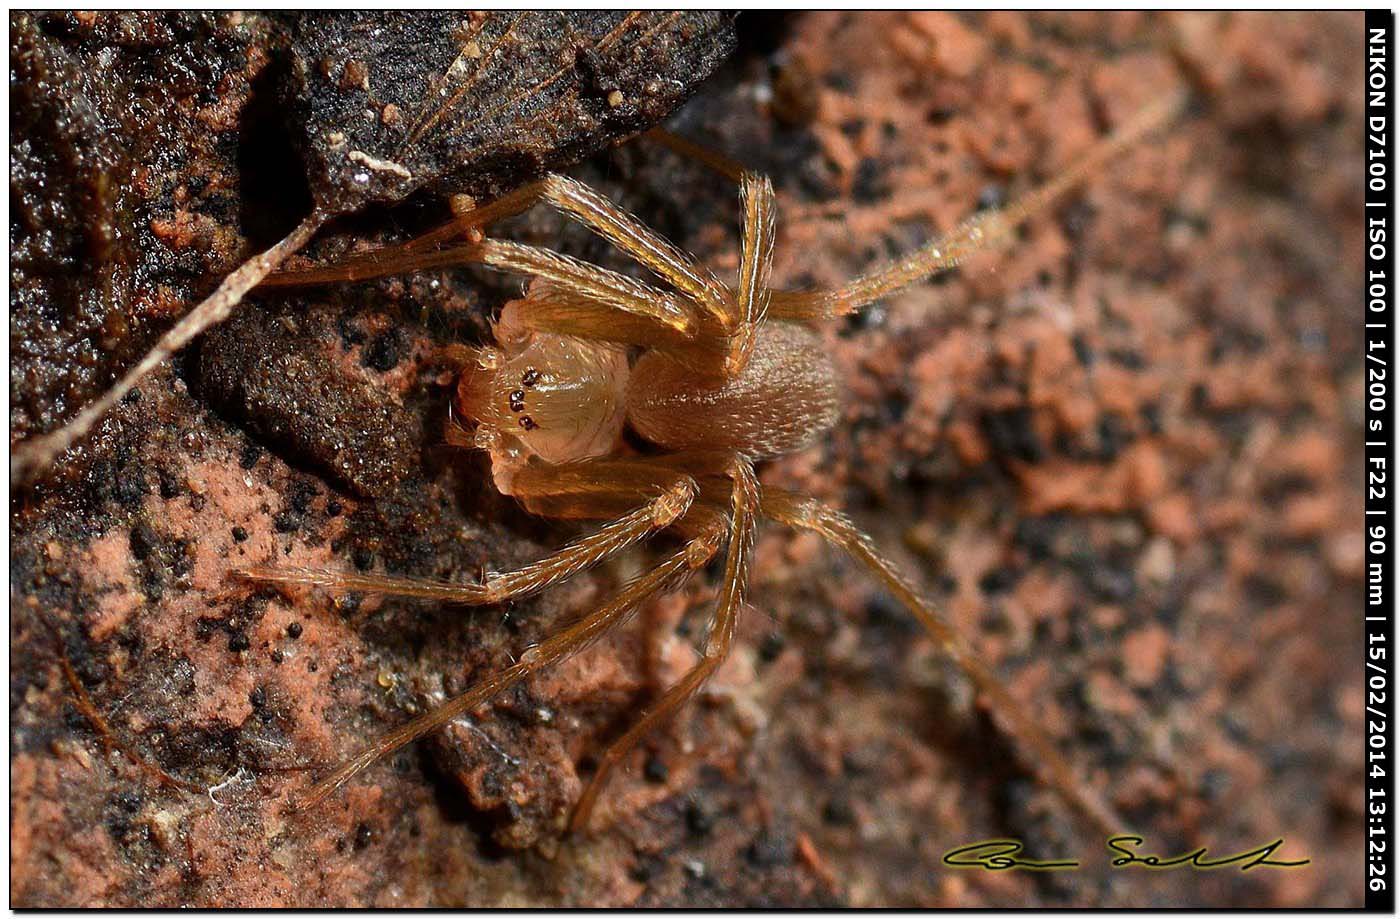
1122 454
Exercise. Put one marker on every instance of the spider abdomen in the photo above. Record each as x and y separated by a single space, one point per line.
783 399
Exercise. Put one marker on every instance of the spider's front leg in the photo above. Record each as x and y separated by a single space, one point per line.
574 199
420 252
983 231
717 335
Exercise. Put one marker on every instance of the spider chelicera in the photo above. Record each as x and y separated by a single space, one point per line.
714 378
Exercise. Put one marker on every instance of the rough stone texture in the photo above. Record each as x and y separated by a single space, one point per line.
281 380
1123 454
126 189
386 102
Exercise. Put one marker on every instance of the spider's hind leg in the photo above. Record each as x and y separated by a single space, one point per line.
742 529
808 514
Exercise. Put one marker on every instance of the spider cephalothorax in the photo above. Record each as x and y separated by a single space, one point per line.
711 378
564 399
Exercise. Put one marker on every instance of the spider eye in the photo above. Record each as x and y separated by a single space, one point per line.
560 397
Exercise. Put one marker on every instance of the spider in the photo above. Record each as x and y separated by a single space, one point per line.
714 379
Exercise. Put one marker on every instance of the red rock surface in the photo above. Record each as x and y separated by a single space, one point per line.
1122 454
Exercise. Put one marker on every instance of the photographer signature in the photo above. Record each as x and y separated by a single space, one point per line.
1005 854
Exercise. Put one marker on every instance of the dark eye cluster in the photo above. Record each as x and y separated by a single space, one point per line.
517 397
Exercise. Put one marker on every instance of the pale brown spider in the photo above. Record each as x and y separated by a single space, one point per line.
714 378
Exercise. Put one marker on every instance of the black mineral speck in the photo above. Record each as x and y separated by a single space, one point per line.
645 869
1112 583
143 540
1114 435
120 816
699 819
294 630
363 557
884 614
288 521
1037 536
770 849
301 494
1012 434
92 671
655 770
128 488
385 351
1083 351
999 580
869 184
1151 414
239 534
838 811
991 197
1127 358
351 334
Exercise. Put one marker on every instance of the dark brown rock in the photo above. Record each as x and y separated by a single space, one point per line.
389 102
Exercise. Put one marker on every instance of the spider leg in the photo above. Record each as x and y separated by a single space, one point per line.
806 513
642 244
756 257
578 286
376 264
743 527
547 307
416 254
547 653
755 269
474 217
668 506
982 231
589 282
570 301
711 159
